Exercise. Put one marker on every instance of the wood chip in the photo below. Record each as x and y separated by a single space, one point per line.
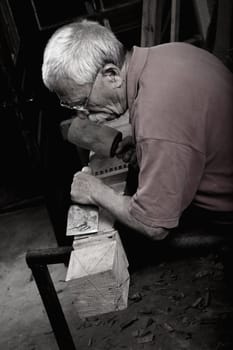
128 323
197 302
202 273
146 339
168 327
147 321
136 297
207 298
143 332
145 311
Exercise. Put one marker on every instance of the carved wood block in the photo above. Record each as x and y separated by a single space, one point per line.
98 275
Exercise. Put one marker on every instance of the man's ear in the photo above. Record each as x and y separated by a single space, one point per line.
112 75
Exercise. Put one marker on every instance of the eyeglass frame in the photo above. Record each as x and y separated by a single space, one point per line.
81 107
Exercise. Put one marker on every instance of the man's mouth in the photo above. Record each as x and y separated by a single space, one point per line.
102 117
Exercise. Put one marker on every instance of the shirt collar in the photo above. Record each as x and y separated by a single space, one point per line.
136 65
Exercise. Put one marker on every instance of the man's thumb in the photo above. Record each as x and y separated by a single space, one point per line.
87 170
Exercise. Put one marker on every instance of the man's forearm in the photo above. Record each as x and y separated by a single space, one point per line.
118 205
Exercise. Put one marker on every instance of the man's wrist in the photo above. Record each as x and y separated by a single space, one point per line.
103 195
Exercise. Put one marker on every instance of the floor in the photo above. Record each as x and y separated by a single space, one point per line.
183 302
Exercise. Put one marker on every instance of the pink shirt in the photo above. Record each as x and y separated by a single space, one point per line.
181 109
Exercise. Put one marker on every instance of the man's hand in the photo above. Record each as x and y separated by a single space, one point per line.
126 151
89 190
84 187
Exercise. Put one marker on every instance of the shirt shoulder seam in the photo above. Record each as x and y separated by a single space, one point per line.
144 140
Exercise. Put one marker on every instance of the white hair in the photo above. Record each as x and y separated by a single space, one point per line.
77 51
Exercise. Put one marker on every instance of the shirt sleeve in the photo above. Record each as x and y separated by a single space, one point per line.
169 177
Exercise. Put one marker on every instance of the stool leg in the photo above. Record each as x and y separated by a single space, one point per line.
52 304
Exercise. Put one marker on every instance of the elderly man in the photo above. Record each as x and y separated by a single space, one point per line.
181 112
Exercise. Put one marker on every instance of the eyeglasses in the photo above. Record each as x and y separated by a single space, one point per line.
77 106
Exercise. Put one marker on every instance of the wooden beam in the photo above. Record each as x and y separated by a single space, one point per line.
175 20
203 16
224 29
151 23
